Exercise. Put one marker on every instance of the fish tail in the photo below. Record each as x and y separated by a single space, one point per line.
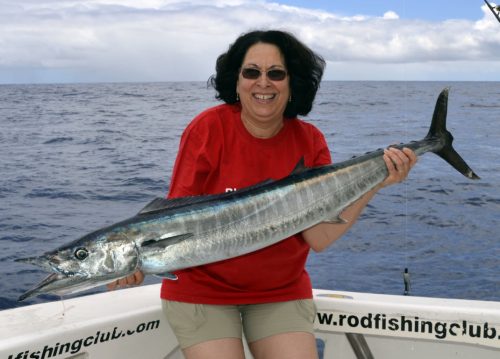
439 132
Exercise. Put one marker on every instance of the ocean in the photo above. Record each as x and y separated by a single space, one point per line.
77 157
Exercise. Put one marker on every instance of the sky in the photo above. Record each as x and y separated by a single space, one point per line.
66 41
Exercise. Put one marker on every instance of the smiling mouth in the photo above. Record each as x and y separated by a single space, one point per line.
264 97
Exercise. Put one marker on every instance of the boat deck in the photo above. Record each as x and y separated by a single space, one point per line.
129 324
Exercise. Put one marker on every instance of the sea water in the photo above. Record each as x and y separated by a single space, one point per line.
77 157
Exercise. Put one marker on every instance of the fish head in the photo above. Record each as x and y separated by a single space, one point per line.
91 261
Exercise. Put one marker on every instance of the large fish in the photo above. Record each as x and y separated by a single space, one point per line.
171 234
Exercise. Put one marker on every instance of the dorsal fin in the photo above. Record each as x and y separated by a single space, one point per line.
299 167
159 204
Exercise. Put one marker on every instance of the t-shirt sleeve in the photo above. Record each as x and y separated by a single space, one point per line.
322 152
191 166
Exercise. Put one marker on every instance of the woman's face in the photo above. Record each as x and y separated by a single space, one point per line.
263 100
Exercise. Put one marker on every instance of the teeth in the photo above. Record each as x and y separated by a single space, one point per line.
264 97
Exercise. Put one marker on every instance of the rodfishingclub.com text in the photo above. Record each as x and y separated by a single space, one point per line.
438 329
73 347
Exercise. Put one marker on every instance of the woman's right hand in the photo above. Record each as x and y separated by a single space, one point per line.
132 280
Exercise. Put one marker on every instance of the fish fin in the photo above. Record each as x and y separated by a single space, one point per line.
166 275
158 204
166 240
438 131
299 167
336 220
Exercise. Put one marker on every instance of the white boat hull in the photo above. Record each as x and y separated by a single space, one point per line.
129 324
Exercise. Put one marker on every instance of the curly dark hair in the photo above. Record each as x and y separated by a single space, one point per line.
304 67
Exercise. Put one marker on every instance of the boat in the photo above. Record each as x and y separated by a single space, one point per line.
129 323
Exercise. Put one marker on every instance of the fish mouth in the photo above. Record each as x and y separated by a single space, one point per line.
62 281
52 282
47 262
41 261
50 279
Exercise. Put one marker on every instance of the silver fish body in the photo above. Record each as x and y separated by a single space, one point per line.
168 235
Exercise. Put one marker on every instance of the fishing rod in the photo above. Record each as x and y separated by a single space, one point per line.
494 9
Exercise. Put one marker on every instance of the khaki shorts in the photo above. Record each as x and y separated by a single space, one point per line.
197 323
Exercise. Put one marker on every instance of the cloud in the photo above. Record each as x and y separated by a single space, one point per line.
158 40
391 15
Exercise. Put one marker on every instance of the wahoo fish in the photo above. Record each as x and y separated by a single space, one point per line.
172 234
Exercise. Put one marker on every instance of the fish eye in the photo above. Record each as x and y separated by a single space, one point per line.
81 254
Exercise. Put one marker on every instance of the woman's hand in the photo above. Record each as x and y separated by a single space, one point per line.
399 163
132 280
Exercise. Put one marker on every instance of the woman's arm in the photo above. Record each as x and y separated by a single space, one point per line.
399 164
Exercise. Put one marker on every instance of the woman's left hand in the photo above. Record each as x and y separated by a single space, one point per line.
399 163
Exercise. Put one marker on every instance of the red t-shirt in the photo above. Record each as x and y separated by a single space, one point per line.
217 154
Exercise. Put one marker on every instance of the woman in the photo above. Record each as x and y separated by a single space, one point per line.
266 79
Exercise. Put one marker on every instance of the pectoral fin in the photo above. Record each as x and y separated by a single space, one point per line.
336 220
166 240
167 275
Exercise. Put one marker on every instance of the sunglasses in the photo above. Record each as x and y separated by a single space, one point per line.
251 73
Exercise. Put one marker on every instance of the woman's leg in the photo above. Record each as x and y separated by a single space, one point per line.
206 331
281 330
296 345
228 348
